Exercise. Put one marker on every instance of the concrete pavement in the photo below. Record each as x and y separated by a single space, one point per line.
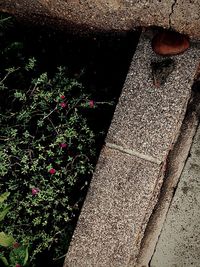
179 242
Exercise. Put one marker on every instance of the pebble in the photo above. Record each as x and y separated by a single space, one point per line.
169 43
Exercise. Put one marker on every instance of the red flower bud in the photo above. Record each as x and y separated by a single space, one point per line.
91 103
16 245
52 171
35 191
63 105
63 145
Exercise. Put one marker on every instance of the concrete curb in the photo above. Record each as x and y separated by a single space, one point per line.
131 167
175 164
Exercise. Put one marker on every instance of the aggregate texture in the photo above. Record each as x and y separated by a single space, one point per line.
147 118
179 242
175 165
111 15
121 197
185 16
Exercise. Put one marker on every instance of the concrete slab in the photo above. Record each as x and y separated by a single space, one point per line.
121 197
87 15
179 242
186 16
175 164
111 15
148 118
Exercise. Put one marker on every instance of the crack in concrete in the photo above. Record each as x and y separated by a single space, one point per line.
135 153
171 13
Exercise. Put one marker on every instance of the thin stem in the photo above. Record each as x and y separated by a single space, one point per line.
8 73
56 259
50 113
53 125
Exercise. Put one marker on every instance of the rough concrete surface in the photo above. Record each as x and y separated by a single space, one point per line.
148 118
179 242
111 15
175 164
121 197
186 16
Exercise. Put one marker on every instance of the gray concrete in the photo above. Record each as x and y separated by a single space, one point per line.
110 15
186 16
147 119
179 242
129 174
175 164
115 212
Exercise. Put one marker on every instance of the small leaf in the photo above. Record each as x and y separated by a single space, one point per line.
6 240
26 256
4 260
3 213
4 196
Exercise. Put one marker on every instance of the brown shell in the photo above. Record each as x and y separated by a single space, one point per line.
170 43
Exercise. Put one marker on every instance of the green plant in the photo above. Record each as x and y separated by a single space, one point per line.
46 153
12 254
5 21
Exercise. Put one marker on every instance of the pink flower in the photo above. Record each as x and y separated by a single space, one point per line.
63 145
52 171
17 265
91 103
63 105
35 191
62 97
